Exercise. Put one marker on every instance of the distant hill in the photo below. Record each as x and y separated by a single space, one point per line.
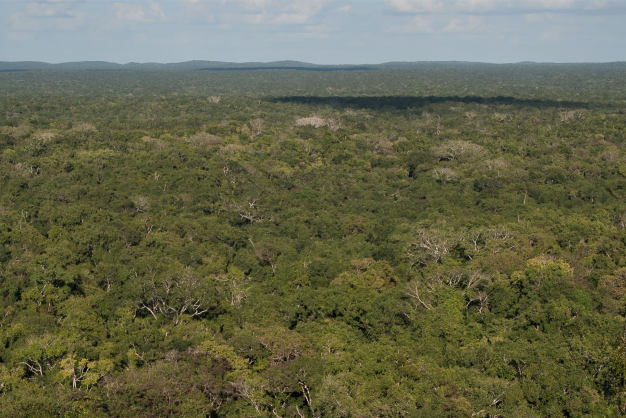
21 66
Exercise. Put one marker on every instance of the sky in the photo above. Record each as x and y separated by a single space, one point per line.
317 31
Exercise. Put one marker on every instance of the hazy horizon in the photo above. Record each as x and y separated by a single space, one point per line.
312 62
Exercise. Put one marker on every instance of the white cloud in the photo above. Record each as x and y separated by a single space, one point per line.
299 17
281 13
196 12
502 6
318 28
256 5
281 36
290 19
47 15
416 6
534 18
430 24
467 24
344 9
551 4
23 22
40 9
193 5
477 5
135 12
419 24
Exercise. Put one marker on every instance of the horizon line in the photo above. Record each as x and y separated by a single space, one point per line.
311 63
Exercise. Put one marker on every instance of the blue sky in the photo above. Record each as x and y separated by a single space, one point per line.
319 31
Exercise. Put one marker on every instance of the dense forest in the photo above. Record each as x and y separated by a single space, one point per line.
402 240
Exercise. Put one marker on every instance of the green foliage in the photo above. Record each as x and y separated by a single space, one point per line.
302 244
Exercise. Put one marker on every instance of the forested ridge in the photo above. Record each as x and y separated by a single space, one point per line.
441 240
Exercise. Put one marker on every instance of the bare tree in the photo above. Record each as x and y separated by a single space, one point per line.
250 211
257 126
413 290
424 293
237 286
444 174
142 204
176 295
318 122
428 245
455 149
